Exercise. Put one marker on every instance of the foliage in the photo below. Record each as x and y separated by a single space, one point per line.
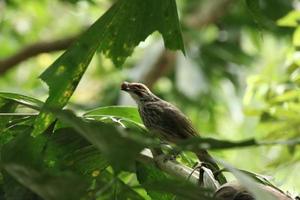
49 152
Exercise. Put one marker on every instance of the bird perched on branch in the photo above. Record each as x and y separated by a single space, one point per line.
165 120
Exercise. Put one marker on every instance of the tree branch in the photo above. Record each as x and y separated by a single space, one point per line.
171 167
207 13
228 191
164 64
33 50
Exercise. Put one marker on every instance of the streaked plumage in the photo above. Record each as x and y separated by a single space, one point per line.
164 119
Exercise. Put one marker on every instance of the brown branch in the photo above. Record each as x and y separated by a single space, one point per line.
207 13
199 18
33 50
163 65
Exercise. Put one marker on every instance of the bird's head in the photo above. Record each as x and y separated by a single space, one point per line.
139 92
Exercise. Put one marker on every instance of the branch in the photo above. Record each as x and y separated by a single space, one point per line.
164 64
170 167
207 14
229 191
33 50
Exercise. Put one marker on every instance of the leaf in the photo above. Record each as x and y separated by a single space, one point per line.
256 12
23 100
67 149
147 173
112 187
197 143
290 20
116 34
296 38
123 112
15 191
249 183
117 146
182 189
22 159
260 179
6 106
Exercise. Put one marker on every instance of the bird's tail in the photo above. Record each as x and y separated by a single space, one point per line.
210 163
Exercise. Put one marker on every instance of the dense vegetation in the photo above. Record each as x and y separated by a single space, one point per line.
232 66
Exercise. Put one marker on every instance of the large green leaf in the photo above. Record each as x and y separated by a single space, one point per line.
183 190
13 190
119 147
111 186
123 112
22 158
148 173
116 34
68 150
291 19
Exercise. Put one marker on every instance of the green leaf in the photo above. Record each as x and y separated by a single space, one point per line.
256 12
197 143
22 159
182 189
290 20
296 37
23 100
116 34
147 173
123 112
112 187
250 184
67 149
117 146
6 106
15 191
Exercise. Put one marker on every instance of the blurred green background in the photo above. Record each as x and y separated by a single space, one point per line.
239 78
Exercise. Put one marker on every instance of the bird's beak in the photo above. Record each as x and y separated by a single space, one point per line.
125 86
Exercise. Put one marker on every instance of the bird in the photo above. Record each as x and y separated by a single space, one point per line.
165 120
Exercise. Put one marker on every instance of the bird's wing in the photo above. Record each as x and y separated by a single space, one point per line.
172 123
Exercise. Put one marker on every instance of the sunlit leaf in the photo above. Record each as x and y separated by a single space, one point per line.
296 37
116 34
124 112
23 100
291 19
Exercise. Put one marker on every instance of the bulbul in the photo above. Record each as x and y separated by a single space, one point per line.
164 119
